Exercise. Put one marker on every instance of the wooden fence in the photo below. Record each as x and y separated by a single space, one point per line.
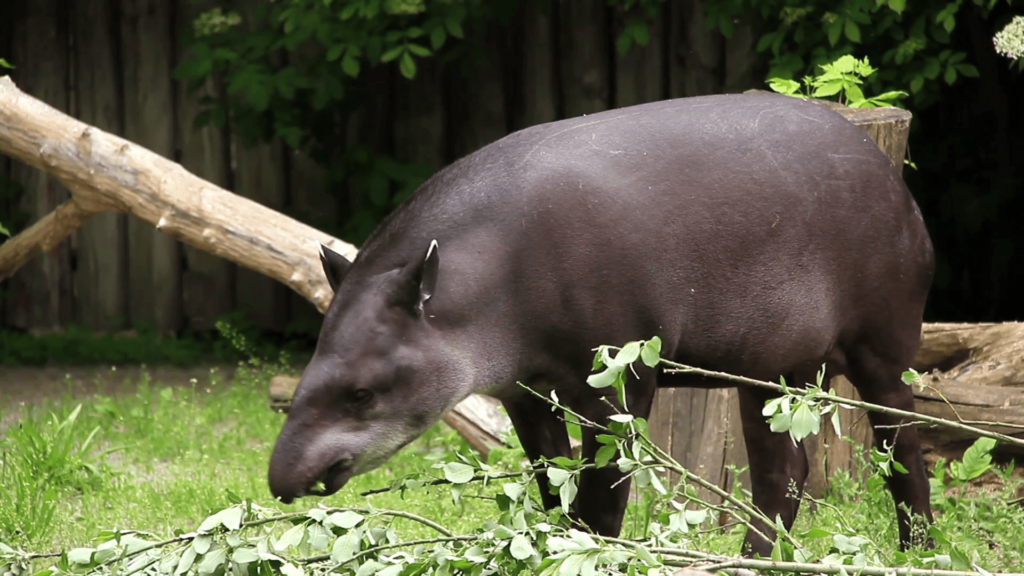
109 63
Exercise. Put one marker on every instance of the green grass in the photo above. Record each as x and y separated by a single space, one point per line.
161 458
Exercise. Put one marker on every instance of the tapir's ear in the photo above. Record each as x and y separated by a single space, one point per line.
417 281
335 266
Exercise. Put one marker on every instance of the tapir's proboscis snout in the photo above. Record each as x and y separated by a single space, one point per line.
755 234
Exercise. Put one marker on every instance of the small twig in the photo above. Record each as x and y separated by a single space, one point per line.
368 551
794 567
477 478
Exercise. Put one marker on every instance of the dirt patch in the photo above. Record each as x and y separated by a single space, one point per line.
25 386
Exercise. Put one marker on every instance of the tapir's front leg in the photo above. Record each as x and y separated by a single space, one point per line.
603 492
542 433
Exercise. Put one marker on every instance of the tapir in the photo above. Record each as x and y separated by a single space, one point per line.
756 234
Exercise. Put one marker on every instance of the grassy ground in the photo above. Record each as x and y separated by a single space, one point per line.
166 453
165 456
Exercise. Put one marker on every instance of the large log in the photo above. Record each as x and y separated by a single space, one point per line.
105 172
975 373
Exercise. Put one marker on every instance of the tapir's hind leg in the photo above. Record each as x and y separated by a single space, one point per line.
542 433
604 492
776 463
877 379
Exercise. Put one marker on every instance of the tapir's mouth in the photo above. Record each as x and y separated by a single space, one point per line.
333 479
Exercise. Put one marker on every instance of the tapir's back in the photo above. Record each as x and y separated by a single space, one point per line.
736 219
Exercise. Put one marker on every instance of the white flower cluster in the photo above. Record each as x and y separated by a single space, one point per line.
1010 41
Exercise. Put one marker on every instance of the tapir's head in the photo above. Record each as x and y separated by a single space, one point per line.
379 378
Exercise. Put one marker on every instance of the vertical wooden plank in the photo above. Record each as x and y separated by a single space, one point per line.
710 450
208 282
585 51
736 448
42 291
101 278
6 30
536 86
476 91
312 202
260 174
369 127
418 119
741 63
687 424
694 52
154 259
660 423
639 73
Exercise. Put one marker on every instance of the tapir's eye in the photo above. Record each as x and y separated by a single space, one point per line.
361 396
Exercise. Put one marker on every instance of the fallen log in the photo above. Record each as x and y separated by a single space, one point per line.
106 172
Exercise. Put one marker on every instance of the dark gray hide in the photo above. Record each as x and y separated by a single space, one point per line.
755 234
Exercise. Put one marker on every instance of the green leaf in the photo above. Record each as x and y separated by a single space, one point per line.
828 89
651 352
852 31
641 35
454 27
567 493
696 517
604 379
5 64
781 422
231 518
407 66
291 537
805 421
335 52
212 561
967 70
211 522
80 555
783 86
916 84
557 476
245 555
346 547
834 30
628 354
392 54
346 520
5 231
289 569
437 38
350 65
513 490
898 5
950 76
419 50
201 544
520 548
623 43
604 455
458 473
187 559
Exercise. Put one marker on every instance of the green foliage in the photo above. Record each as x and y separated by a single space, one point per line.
41 459
842 79
912 41
76 346
5 64
297 70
